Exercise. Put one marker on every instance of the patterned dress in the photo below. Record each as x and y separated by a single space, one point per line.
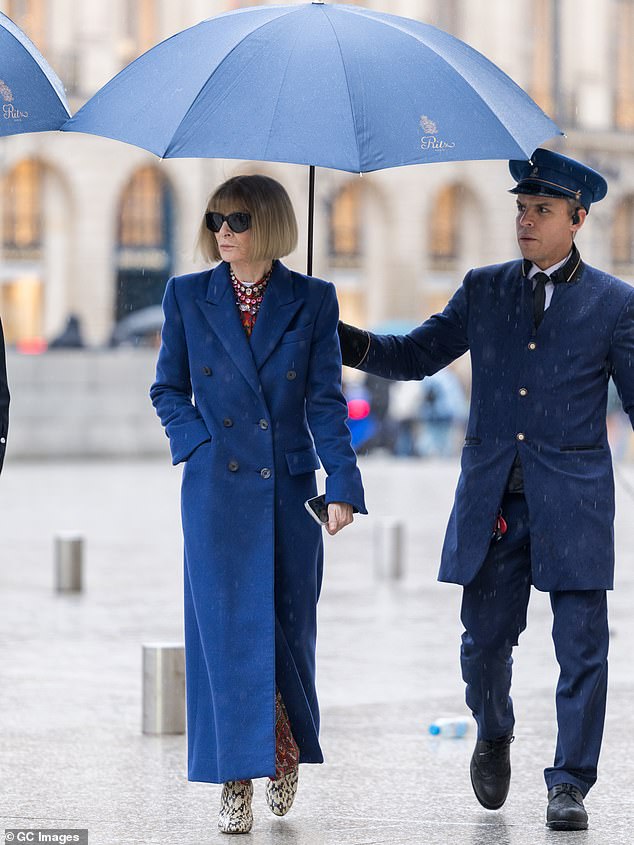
248 300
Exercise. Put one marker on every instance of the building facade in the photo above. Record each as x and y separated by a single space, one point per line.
93 227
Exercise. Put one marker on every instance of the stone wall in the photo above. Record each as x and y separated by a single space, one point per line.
83 403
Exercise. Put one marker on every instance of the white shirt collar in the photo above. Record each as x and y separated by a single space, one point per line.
535 269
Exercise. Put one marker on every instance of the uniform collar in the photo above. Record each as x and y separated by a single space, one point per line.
567 272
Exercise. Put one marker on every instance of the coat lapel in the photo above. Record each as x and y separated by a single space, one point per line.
222 315
279 306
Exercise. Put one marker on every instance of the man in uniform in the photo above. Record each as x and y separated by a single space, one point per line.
534 504
4 400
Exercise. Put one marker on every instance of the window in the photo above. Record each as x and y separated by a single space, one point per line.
144 256
444 245
22 211
543 41
141 222
345 226
623 236
21 289
624 117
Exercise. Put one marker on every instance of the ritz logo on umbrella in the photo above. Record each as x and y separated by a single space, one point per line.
429 141
9 111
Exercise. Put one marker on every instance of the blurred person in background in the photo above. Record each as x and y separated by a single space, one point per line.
4 400
248 387
71 335
443 415
405 405
534 504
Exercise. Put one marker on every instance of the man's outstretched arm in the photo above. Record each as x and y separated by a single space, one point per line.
422 352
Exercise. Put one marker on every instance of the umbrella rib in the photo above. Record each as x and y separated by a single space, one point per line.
37 58
277 100
473 83
215 70
352 111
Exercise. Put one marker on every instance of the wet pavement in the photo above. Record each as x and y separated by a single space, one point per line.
72 754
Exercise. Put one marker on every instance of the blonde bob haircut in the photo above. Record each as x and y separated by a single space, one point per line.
273 221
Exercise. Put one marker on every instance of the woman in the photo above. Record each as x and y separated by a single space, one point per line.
248 387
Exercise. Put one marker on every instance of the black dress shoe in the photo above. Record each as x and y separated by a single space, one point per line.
565 808
491 771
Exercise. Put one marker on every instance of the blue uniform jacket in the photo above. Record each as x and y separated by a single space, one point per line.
540 392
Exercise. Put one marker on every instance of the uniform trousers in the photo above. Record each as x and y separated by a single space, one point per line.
494 607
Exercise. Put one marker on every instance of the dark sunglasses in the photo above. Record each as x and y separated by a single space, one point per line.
237 221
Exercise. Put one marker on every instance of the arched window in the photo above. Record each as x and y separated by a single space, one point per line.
22 211
623 237
444 236
345 226
21 287
144 255
142 218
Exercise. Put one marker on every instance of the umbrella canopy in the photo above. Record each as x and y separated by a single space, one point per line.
328 85
31 94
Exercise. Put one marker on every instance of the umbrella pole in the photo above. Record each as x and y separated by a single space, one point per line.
311 218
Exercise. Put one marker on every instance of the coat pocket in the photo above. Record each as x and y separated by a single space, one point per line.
296 335
305 460
472 441
590 448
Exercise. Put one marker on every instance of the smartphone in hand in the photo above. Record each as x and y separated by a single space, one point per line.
318 509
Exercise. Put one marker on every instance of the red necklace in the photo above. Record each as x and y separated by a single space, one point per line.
249 298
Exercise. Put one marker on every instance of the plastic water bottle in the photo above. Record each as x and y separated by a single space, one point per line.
452 727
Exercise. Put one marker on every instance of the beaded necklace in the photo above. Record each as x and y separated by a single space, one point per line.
249 298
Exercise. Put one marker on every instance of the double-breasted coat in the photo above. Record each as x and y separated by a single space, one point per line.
249 417
542 393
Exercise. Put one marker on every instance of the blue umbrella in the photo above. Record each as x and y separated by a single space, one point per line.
328 85
31 95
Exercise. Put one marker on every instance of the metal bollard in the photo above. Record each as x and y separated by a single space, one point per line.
389 549
69 550
163 688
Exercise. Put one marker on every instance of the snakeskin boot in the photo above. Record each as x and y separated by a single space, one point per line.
280 793
236 815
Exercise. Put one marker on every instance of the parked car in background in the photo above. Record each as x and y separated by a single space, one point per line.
140 328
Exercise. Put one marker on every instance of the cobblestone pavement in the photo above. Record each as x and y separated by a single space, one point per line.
72 754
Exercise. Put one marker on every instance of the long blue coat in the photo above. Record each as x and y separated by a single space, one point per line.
541 392
261 412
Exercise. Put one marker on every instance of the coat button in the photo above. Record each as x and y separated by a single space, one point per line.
207 371
520 436
233 466
523 391
291 374
227 422
265 473
532 345
3 439
264 424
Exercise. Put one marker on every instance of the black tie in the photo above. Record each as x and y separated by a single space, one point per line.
539 296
